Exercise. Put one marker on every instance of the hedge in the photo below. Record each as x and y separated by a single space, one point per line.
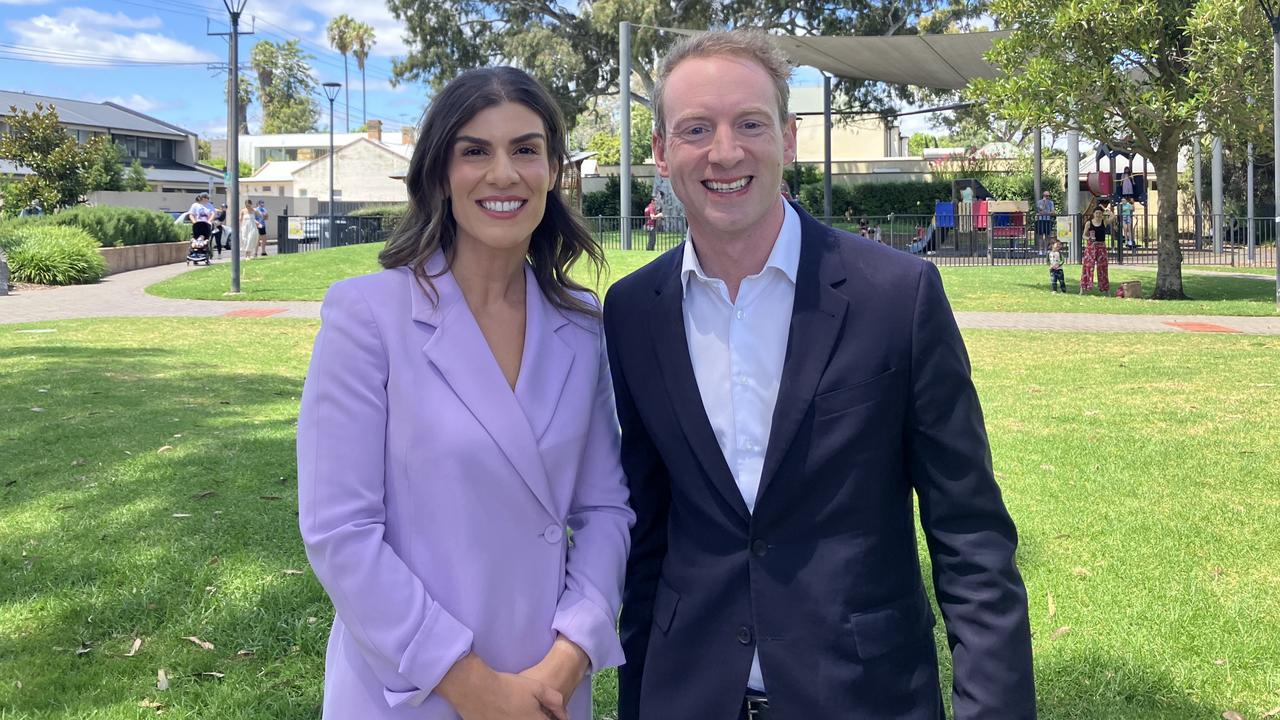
872 199
54 255
111 226
391 215
607 202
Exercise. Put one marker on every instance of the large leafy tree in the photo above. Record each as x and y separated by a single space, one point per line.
575 52
285 87
62 170
341 32
362 41
1146 76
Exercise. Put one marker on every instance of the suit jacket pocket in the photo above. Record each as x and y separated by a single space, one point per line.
901 622
863 392
664 605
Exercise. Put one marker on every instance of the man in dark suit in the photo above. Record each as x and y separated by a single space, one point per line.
784 388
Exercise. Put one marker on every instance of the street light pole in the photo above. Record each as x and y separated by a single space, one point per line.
234 9
1272 11
331 92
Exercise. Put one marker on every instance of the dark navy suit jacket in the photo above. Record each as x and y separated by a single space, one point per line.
875 404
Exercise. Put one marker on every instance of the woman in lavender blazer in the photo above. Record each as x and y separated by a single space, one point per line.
460 493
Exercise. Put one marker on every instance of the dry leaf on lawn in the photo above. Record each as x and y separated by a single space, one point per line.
182 515
204 494
1053 608
1265 716
1081 572
292 572
149 703
165 448
244 654
162 679
133 649
84 648
1060 632
198 641
214 675
1232 715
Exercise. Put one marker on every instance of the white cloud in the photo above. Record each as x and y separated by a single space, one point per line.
86 32
25 2
133 102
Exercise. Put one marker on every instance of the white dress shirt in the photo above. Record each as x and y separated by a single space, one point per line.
737 350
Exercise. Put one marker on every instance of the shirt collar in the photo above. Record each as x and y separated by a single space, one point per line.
785 256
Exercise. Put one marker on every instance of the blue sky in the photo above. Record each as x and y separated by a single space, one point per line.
93 50
98 50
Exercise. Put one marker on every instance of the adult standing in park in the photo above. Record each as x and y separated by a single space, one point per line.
784 390
1046 216
248 226
457 423
260 216
1095 251
652 213
201 215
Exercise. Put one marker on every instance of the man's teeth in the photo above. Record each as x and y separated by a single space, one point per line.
501 205
727 187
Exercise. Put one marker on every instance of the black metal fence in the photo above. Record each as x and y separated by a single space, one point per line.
302 233
994 239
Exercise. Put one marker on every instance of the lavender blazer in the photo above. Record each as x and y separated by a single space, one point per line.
433 501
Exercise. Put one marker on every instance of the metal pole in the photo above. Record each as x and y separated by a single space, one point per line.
1073 193
826 147
233 145
1038 152
1251 234
330 243
1216 194
1275 148
1198 194
624 96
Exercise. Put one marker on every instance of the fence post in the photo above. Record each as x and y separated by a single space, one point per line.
4 275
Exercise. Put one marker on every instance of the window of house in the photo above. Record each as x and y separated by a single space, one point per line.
302 192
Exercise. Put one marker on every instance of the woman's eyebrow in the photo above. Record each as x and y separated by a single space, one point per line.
514 141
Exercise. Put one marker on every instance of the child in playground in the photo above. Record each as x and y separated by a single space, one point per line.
1057 278
1126 223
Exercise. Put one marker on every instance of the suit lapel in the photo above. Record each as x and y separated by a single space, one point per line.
547 358
459 351
666 325
816 317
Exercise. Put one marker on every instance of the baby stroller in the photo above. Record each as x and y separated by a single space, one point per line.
199 252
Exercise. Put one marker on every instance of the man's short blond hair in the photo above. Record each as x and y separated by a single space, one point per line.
752 45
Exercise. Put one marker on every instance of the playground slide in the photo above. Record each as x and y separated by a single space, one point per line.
920 245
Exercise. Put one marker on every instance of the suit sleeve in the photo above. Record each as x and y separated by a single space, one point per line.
407 638
650 493
971 538
600 520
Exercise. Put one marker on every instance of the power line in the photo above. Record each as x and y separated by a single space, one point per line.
64 57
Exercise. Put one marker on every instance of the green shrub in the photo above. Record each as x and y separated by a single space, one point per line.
117 226
391 215
606 203
872 199
53 255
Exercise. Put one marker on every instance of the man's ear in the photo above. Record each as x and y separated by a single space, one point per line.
789 141
659 154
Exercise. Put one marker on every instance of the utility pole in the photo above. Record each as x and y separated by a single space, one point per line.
232 176
1272 10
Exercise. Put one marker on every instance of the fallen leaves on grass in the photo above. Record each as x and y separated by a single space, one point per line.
1265 716
133 649
1053 608
212 675
1232 715
162 680
1081 572
165 448
83 649
204 494
198 641
78 462
291 571
244 654
182 515
1060 632
150 704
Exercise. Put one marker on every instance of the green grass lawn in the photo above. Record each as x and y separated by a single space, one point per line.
149 492
1020 288
1269 272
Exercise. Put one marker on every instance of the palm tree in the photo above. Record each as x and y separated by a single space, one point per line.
362 41
340 30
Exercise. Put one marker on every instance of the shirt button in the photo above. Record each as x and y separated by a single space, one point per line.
759 548
553 534
741 314
744 635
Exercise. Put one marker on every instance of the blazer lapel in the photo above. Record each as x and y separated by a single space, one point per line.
666 324
544 367
459 351
816 316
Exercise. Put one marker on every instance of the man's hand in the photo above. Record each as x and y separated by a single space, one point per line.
563 668
478 692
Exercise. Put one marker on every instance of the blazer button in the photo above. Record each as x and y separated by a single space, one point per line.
744 635
553 534
759 548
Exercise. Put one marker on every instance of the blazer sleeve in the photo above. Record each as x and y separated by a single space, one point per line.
407 638
971 538
650 492
600 521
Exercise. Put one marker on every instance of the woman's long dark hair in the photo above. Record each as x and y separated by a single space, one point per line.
559 241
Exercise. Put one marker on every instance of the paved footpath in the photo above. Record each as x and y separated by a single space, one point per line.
123 295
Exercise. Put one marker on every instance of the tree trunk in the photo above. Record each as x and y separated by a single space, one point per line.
364 101
1169 252
346 88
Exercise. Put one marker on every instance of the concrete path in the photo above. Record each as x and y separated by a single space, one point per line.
123 295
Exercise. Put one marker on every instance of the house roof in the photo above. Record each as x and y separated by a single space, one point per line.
402 152
90 114
278 171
